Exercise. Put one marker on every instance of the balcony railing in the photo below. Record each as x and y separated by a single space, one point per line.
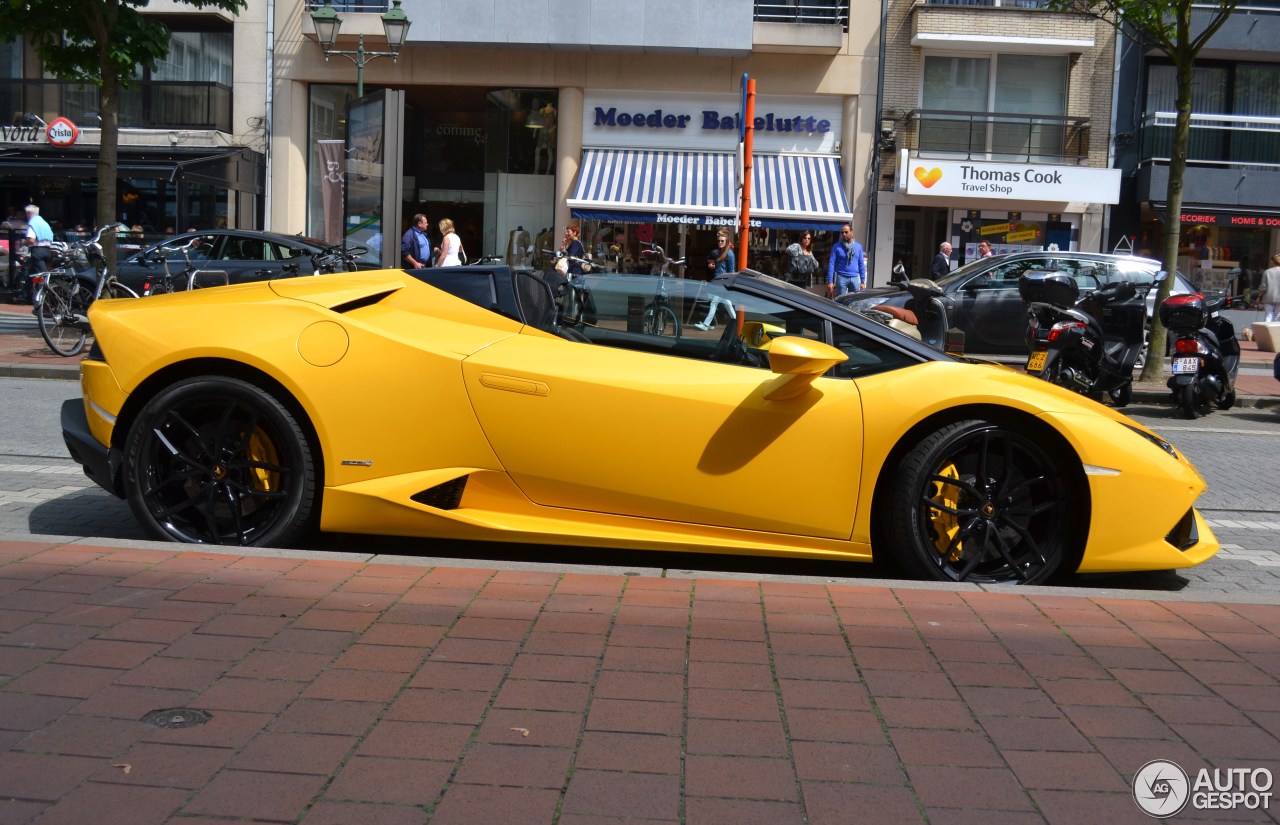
999 136
357 6
1008 4
820 12
156 104
1237 141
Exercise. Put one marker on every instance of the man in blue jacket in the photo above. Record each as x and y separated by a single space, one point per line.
847 268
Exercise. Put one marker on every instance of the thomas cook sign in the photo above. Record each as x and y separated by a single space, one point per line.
1011 181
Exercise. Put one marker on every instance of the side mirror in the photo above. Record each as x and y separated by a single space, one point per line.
1162 275
797 362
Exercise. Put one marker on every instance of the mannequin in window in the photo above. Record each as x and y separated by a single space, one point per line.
546 140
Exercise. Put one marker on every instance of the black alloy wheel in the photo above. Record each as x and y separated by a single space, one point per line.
214 460
980 502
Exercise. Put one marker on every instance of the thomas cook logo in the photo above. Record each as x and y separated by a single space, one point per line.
1161 788
929 178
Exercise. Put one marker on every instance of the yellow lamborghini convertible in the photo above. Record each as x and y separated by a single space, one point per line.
483 402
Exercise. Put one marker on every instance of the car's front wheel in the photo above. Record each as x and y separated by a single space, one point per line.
978 501
215 460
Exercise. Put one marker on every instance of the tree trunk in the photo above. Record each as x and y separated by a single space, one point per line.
108 155
1184 61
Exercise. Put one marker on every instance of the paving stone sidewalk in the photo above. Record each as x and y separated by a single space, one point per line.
348 691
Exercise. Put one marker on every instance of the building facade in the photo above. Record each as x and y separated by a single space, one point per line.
1230 217
513 120
995 125
192 131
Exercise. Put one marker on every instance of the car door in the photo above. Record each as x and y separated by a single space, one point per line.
990 308
667 434
245 258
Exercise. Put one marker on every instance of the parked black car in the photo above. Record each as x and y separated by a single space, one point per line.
982 296
243 254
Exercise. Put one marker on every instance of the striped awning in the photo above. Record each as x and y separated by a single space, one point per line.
648 186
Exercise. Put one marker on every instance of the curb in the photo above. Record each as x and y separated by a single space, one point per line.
69 372
1163 396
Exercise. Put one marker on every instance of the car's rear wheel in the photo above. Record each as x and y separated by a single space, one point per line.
981 502
214 460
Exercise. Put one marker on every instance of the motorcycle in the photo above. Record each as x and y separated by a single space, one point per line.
1206 354
924 316
1088 345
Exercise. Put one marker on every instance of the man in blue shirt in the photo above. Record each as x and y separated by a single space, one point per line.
415 245
847 268
39 238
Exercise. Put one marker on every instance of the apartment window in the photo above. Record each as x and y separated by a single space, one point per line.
1016 86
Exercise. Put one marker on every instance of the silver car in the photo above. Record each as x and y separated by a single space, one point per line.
982 296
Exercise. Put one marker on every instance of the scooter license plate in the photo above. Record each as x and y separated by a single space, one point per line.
1036 362
1184 366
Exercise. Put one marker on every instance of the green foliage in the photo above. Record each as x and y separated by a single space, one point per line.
90 41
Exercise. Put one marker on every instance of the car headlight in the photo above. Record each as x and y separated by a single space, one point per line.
1156 440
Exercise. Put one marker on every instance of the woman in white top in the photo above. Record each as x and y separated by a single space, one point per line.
450 247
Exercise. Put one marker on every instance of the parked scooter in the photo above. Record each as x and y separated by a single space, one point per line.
1206 354
923 317
1089 345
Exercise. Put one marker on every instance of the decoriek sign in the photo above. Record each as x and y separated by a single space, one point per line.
1010 181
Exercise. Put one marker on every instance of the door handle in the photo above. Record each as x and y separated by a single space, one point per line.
510 383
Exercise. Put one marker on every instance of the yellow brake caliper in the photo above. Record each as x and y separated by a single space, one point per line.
262 451
946 525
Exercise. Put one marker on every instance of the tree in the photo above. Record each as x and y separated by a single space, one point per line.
1165 25
101 43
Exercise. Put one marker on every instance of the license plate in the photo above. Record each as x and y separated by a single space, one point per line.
1036 362
1183 366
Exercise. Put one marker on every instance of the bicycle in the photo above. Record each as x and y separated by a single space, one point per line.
576 306
659 314
192 276
62 305
338 258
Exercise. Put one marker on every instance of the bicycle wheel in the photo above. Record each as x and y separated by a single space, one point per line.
661 320
115 289
60 301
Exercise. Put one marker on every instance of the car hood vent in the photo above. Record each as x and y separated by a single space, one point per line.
340 292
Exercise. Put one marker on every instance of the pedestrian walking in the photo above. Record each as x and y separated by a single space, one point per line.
1271 289
451 253
941 261
847 266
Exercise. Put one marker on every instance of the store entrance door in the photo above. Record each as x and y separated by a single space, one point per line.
374 184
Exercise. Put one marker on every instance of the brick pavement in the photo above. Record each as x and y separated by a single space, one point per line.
353 691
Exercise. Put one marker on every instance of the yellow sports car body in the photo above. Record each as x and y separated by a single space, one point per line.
468 403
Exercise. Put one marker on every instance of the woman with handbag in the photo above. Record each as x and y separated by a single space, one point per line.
801 264
573 248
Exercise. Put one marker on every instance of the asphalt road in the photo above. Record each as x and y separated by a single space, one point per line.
1238 452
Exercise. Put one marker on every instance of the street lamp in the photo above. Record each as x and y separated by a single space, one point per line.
327 22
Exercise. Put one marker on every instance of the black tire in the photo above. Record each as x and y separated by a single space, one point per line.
60 302
1228 400
1187 402
980 502
661 320
1121 396
215 460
